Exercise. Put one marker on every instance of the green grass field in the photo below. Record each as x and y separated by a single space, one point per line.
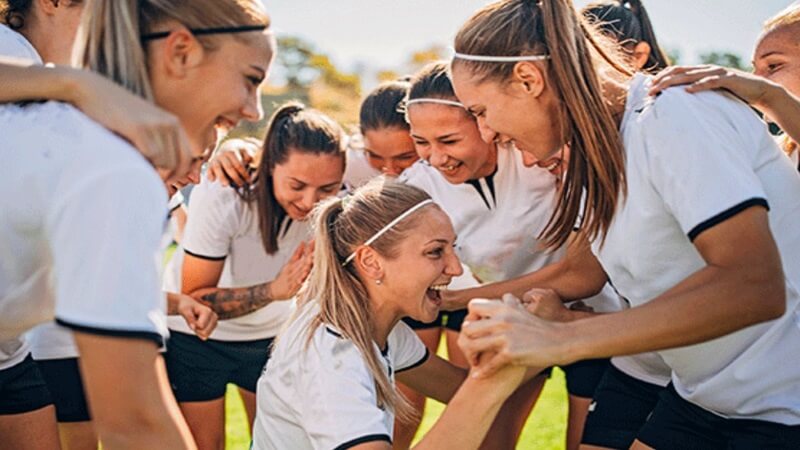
544 430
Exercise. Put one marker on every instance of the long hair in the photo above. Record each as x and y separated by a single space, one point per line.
339 228
379 109
627 22
293 127
595 180
109 40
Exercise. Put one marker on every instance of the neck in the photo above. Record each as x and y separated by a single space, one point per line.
384 318
490 166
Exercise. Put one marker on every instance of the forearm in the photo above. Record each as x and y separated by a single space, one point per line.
711 303
783 108
467 418
22 81
230 303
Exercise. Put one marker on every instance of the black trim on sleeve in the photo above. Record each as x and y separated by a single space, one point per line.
725 215
210 258
331 331
128 334
364 439
416 364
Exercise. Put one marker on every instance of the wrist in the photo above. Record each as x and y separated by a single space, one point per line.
574 346
773 93
69 85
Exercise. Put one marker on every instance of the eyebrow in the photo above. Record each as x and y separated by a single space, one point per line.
443 241
437 137
260 70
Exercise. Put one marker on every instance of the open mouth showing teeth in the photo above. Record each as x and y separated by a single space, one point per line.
552 166
434 293
451 167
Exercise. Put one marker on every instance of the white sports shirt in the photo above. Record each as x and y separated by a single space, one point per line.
70 191
221 226
693 161
319 394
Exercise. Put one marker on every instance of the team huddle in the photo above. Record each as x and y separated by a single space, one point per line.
555 195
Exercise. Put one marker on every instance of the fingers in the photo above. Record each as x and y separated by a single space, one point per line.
678 76
233 169
206 321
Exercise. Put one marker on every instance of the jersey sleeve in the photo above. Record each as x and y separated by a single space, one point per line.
700 152
212 221
407 349
340 400
105 235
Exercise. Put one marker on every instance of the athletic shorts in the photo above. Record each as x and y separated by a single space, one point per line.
22 388
450 320
584 376
63 378
201 370
620 407
677 423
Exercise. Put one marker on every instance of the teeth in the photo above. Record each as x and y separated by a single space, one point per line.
439 287
552 166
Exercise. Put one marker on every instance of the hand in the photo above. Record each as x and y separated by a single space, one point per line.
509 334
229 164
200 318
293 273
157 134
749 87
546 303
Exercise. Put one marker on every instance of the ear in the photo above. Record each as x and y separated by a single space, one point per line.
641 53
369 263
48 7
529 78
181 52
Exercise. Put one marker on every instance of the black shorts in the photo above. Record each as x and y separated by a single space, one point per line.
22 388
450 320
63 378
620 407
201 370
584 376
677 423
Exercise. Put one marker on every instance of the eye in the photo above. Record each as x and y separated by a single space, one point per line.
296 187
254 81
436 253
406 157
449 142
420 143
329 189
772 68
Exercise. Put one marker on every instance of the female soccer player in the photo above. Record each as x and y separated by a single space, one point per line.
246 252
110 295
685 201
381 254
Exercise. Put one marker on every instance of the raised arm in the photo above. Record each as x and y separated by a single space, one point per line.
156 133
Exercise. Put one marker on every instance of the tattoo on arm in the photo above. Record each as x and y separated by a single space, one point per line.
236 302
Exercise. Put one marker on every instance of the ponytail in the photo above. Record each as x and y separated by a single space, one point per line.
13 12
341 226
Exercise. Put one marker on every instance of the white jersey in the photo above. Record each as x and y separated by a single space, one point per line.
222 226
692 161
320 394
83 213
358 171
498 218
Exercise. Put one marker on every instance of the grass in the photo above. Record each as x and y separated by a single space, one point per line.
544 430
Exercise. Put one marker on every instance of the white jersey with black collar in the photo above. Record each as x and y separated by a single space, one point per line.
318 393
692 162
222 226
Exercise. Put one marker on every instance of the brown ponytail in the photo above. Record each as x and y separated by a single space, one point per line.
595 179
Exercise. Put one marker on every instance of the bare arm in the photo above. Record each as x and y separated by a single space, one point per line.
156 133
435 378
129 395
578 275
741 285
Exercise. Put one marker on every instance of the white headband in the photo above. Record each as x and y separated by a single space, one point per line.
402 107
490 58
388 226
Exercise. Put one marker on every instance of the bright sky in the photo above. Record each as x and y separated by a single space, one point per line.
381 34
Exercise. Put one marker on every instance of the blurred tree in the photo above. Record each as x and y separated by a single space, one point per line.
421 58
726 59
674 55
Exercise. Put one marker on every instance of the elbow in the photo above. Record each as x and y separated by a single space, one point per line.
770 295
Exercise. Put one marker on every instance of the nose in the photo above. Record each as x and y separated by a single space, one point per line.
437 158
309 199
487 134
528 160
453 267
392 168
252 110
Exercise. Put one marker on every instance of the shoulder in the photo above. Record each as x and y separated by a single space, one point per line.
213 197
15 45
421 175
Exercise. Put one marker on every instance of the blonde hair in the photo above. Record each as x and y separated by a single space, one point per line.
595 180
786 18
109 40
340 227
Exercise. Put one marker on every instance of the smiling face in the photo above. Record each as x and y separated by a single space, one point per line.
777 57
211 88
530 119
304 179
451 142
389 150
424 262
